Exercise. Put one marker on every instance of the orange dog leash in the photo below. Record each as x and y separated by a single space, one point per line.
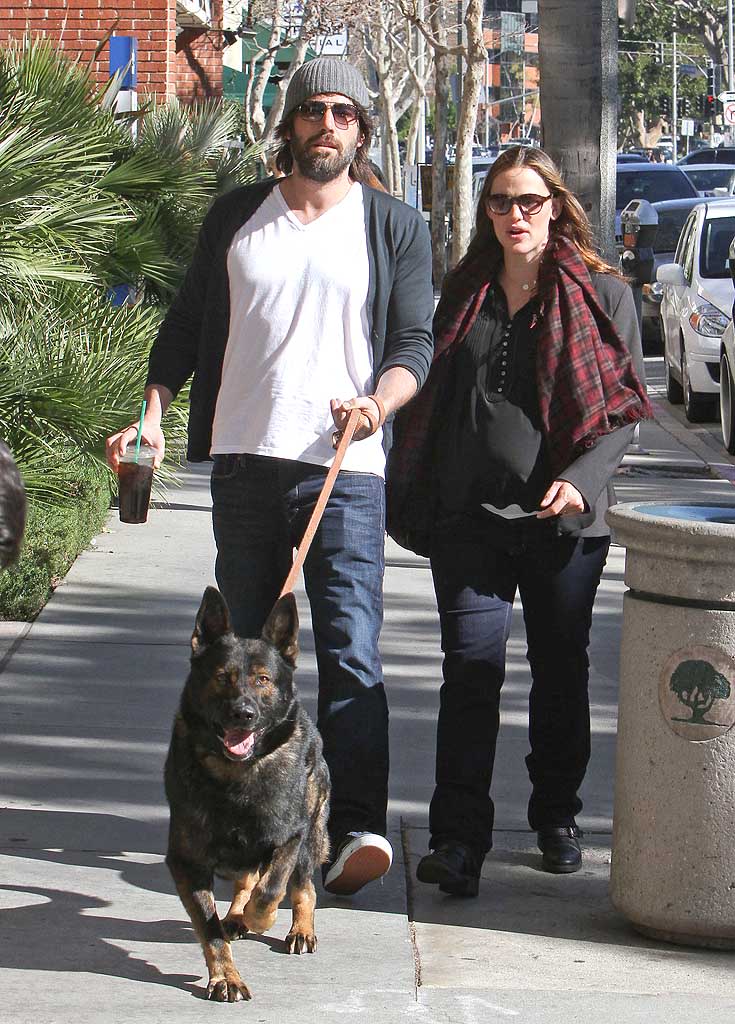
321 502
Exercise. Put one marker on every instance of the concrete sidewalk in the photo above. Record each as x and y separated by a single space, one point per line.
91 927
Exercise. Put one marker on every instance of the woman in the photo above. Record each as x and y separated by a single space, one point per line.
499 473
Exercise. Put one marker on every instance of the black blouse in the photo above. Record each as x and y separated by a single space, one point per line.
491 446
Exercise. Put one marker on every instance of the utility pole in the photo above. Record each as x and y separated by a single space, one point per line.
674 98
523 93
730 56
487 101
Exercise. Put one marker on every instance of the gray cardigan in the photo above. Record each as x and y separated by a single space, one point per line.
193 336
592 471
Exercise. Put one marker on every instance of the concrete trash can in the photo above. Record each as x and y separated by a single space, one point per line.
673 851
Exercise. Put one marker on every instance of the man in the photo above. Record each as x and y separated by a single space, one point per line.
307 296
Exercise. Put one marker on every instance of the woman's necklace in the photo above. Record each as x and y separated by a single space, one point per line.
525 286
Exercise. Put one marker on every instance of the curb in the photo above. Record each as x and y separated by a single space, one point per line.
698 441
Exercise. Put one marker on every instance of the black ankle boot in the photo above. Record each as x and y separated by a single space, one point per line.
454 867
560 849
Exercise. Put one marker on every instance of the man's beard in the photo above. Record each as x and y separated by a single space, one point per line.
321 167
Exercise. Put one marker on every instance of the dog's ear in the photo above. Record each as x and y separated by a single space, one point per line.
213 620
281 629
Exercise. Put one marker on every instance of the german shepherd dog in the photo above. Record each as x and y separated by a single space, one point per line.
248 788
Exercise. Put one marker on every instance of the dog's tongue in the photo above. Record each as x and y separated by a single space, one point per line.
239 742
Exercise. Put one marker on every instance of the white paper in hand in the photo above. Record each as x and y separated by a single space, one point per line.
509 512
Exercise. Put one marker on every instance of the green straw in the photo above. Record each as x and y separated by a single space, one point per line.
140 431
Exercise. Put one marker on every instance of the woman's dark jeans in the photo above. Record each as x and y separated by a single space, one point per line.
261 507
477 567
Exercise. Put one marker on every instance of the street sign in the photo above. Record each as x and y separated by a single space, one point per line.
729 113
331 46
124 60
686 126
726 97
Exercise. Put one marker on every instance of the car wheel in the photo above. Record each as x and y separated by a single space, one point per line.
674 391
697 408
727 409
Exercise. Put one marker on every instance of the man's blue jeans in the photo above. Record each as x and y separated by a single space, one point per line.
477 568
261 507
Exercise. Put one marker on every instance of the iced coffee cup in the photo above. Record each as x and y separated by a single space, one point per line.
134 477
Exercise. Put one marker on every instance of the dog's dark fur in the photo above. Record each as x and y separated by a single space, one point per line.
12 508
247 786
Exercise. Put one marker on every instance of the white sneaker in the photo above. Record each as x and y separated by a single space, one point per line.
362 857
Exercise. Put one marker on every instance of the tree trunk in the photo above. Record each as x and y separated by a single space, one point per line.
381 57
471 85
442 71
390 136
578 86
300 46
257 113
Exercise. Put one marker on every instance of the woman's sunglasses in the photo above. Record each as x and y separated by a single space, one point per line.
528 203
344 114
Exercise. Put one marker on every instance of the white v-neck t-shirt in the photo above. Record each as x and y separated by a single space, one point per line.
298 335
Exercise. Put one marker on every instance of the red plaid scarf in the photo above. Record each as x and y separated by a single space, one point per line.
587 384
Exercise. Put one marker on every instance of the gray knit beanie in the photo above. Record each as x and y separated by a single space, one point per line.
325 75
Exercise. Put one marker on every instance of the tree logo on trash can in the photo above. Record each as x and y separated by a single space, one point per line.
696 692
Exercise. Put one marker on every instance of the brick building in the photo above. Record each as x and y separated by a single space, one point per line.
182 44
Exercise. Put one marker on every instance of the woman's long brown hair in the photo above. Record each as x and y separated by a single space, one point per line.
572 222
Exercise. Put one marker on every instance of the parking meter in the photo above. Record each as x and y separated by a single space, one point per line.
639 222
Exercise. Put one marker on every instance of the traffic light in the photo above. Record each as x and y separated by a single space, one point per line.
714 85
714 79
685 107
664 105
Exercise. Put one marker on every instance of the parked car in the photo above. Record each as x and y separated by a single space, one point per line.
644 154
708 177
707 155
523 140
696 307
650 181
653 182
727 388
478 180
672 215
631 158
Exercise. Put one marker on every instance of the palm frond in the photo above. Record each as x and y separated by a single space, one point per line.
84 204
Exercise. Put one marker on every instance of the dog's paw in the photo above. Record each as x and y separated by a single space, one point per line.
230 989
234 927
259 919
300 942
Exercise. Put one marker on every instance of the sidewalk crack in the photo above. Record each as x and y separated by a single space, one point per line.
406 850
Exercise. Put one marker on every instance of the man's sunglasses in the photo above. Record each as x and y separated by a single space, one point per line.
344 114
528 203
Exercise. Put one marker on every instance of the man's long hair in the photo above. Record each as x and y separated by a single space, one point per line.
360 166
